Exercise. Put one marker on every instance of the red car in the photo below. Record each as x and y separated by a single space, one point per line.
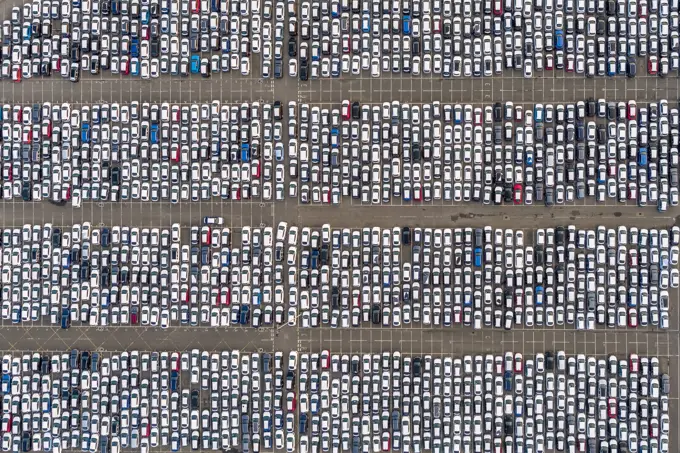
225 296
346 110
175 361
175 153
612 408
549 62
291 402
519 363
16 74
642 9
325 359
205 235
517 193
652 65
457 313
634 363
417 192
386 442
519 114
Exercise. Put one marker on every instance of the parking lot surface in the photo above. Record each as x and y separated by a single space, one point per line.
412 340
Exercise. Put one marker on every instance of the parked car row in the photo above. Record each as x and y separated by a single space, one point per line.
487 38
610 152
338 277
321 39
108 401
494 154
142 151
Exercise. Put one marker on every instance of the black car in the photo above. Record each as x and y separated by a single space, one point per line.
26 441
375 315
406 235
356 111
415 46
115 176
290 380
26 191
194 400
85 360
417 363
45 365
292 48
507 195
549 361
508 425
591 108
56 237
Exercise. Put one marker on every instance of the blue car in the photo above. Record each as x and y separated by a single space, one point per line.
366 23
559 40
478 257
6 383
174 378
85 133
538 114
134 47
245 152
195 64
225 257
642 157
539 295
507 381
611 67
65 318
303 423
406 25
154 133
244 315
